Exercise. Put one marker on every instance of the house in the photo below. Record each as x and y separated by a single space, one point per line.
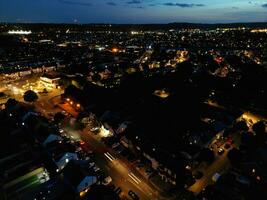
51 138
65 159
79 179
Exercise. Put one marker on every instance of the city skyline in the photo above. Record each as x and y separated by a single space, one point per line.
132 11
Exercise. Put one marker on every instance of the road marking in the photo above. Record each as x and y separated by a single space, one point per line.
109 156
134 178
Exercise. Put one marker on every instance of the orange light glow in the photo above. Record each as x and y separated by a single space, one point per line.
115 50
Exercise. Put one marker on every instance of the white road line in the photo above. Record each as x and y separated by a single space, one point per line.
135 177
108 157
136 180
111 156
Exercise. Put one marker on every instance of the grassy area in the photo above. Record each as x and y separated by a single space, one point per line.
27 183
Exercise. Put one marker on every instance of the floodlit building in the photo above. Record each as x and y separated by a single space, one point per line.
50 82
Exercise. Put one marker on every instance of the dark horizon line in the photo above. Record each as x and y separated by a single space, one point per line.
193 23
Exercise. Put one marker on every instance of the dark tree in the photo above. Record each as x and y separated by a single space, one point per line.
234 156
11 103
96 77
241 126
73 92
206 155
30 96
259 127
261 136
59 117
2 94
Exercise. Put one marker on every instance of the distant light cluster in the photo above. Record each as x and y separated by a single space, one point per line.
259 30
19 32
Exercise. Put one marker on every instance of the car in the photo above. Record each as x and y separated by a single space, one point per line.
91 164
133 195
87 158
78 149
115 145
96 169
64 113
107 180
95 130
220 151
118 190
82 142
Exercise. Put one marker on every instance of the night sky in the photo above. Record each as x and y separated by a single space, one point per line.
133 11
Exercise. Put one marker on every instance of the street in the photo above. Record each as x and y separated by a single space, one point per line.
122 173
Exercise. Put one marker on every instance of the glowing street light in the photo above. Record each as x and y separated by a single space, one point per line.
115 50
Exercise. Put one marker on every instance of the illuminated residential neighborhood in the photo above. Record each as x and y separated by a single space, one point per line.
133 111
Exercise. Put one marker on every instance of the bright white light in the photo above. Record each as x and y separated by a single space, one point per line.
20 32
104 132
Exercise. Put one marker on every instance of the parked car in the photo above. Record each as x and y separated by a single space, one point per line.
107 180
96 169
92 164
118 190
133 195
115 145
220 151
